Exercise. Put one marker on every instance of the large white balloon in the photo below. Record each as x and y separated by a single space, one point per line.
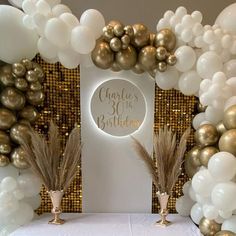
70 20
184 205
8 171
16 41
222 166
210 212
196 213
230 224
8 184
208 64
213 115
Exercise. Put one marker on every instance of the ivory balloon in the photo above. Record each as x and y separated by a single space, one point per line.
16 41
210 212
147 58
184 205
59 9
229 68
209 227
126 58
206 154
7 118
227 142
229 119
230 102
18 158
70 20
141 35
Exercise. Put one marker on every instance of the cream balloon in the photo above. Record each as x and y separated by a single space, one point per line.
16 41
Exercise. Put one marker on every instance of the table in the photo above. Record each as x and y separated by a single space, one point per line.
109 225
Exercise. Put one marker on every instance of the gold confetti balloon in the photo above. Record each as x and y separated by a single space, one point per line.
18 158
209 227
7 119
165 38
147 58
225 233
206 135
4 161
102 55
229 119
206 154
141 35
227 142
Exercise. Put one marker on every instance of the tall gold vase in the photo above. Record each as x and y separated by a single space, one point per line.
163 200
56 197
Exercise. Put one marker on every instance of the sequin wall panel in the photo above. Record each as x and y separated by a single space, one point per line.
62 104
177 111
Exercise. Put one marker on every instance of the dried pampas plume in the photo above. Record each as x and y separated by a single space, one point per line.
55 168
165 166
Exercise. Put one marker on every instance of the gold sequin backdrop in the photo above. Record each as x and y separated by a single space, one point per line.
62 104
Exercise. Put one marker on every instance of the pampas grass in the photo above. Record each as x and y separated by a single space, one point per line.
55 168
165 166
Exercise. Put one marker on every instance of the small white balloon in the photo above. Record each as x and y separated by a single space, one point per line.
197 16
214 115
192 194
18 194
8 184
230 68
47 49
210 212
196 213
181 11
225 214
198 119
70 20
29 7
230 224
52 3
69 58
187 35
28 22
184 205
59 9
43 7
8 171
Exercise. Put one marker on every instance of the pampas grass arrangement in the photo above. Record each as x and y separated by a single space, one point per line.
54 167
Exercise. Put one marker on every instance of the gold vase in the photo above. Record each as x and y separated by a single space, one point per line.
56 197
163 199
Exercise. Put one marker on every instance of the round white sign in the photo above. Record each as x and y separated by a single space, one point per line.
118 107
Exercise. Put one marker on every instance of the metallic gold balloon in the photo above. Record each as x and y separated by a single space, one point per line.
27 63
125 40
21 84
31 76
165 38
115 44
126 58
200 107
114 22
4 137
206 153
162 66
18 158
115 67
35 97
227 142
147 58
225 233
171 60
229 118
18 69
141 35
5 148
108 33
4 161
102 55
206 135
6 79
152 37
6 69
20 132
39 71
129 31
118 29
36 86
29 113
7 118
161 53
189 168
12 98
138 69
209 227
221 128
193 155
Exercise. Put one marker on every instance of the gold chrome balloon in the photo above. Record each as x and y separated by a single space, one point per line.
115 67
129 31
141 35
165 38
162 66
36 86
5 148
161 53
171 60
227 142
229 119
6 79
126 58
206 135
7 118
206 153
18 158
108 33
138 69
35 97
115 44
20 132
39 71
4 137
125 40
152 37
4 161
147 58
18 69
27 63
102 55
189 168
13 99
118 29
200 107
209 227
21 84
193 155
225 233
114 22
29 113
6 69
221 128
31 76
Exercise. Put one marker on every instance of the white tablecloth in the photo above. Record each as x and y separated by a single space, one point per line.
109 225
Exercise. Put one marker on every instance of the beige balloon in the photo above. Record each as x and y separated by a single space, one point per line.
225 233
18 158
18 69
29 113
102 55
221 128
35 97
147 58
141 35
4 161
165 38
12 99
20 132
206 154
227 142
209 227
229 119
7 119
206 135
126 58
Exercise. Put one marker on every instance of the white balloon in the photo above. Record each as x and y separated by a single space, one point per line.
187 35
8 184
69 58
225 214
181 11
223 196
184 205
8 171
168 79
189 82
51 61
16 41
230 102
197 16
196 213
57 32
18 194
203 200
192 194
210 212
47 49
43 7
230 224
219 220
40 23
198 119
205 84
8 203
208 64
222 166
232 84
186 188
29 7
70 20
82 39
34 202
186 58
16 3
52 3
28 22
214 115
59 9
198 29
94 20
230 68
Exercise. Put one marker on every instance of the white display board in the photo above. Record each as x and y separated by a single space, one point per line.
113 177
